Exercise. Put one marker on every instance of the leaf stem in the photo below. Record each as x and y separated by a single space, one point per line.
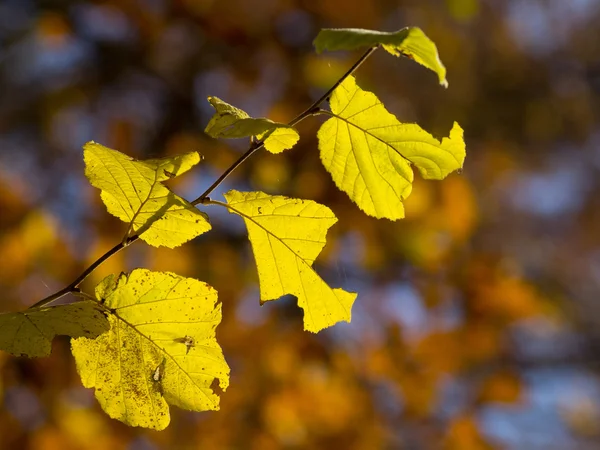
254 146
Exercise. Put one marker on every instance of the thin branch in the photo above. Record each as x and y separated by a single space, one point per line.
326 95
74 286
313 109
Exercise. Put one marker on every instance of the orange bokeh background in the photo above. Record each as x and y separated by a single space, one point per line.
477 316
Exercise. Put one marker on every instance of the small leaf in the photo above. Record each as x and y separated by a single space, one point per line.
232 122
30 333
133 191
280 139
141 366
368 152
410 42
287 235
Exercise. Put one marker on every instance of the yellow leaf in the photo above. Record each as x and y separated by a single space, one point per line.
410 42
232 122
280 139
161 348
30 333
369 152
133 191
287 235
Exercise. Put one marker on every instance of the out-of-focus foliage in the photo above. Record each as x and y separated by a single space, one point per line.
476 326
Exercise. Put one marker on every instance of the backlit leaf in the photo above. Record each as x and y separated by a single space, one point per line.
232 122
368 152
133 191
287 235
30 333
161 348
410 42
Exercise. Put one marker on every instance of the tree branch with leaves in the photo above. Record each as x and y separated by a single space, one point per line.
146 340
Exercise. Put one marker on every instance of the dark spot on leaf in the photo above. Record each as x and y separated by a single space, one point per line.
188 341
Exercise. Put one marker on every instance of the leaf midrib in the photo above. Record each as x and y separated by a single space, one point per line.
389 144
245 216
168 355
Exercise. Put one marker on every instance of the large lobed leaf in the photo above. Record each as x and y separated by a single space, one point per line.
30 333
410 42
368 152
161 348
231 122
287 235
133 191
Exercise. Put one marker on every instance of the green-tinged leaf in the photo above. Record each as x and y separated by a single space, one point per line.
280 139
287 235
30 332
368 152
133 191
232 122
410 42
161 348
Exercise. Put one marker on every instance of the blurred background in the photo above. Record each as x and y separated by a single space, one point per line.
477 324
